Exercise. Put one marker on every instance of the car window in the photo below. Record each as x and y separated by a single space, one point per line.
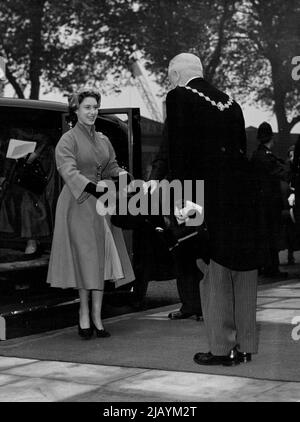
117 132
21 208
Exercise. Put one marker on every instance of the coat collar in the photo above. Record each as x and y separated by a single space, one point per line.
90 134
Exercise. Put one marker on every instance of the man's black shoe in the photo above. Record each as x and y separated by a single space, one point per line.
232 358
244 357
184 315
210 359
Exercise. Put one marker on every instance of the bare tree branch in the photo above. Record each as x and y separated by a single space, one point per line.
293 122
13 81
216 57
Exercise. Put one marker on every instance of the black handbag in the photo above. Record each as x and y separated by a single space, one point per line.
177 238
31 176
128 221
133 222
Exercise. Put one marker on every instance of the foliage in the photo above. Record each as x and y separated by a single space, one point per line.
160 29
260 56
47 40
246 45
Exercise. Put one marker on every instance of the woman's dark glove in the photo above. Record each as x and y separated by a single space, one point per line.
91 188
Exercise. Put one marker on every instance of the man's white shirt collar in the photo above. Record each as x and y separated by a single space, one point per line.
194 77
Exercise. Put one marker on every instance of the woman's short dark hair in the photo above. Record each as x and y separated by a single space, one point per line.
76 99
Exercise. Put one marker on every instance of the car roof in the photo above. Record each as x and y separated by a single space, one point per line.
35 104
54 105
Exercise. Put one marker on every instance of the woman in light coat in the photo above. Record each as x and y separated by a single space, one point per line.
86 248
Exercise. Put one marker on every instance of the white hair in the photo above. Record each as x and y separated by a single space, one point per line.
187 65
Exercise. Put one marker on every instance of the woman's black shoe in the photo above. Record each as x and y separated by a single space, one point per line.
101 333
85 333
34 255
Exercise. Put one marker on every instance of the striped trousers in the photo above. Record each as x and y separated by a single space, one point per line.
229 309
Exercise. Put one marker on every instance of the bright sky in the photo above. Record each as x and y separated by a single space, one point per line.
130 97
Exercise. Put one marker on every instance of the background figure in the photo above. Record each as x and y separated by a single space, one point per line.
207 141
86 248
24 212
294 199
270 173
288 222
186 271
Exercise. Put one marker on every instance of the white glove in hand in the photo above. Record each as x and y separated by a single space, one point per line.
182 214
291 200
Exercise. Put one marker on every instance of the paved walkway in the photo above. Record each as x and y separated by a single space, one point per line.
25 380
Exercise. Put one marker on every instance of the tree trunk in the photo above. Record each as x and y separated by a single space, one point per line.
13 81
36 48
279 104
216 56
280 112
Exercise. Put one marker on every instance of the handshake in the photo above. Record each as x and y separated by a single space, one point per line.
118 191
132 197
131 187
147 187
128 188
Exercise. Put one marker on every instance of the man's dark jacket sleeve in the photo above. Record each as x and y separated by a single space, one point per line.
160 165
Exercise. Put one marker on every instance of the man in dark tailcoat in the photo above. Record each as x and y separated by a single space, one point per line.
206 140
270 171
294 199
187 273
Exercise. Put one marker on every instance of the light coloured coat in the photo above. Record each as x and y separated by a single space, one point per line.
77 257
